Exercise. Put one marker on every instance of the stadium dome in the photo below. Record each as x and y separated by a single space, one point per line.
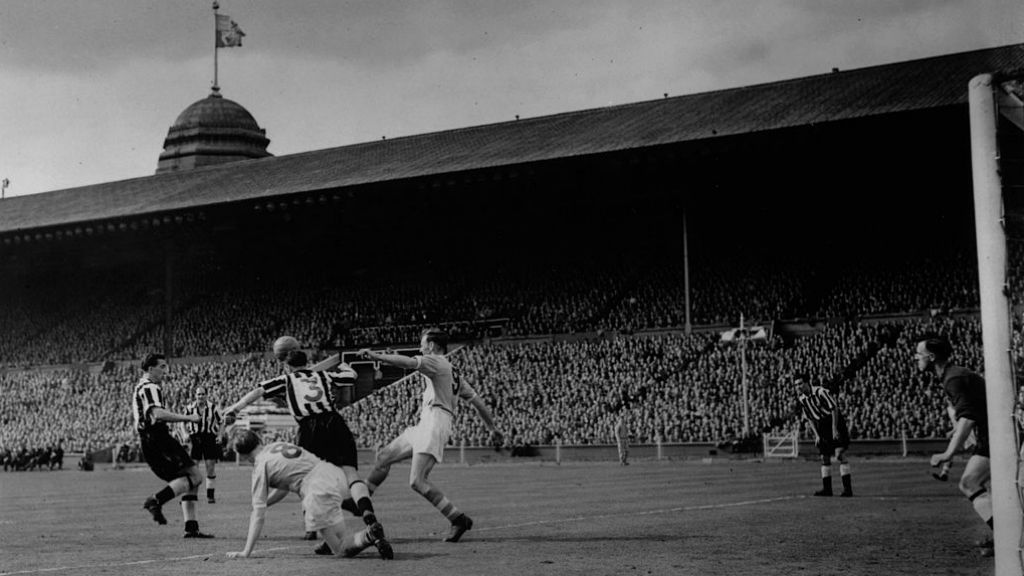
214 130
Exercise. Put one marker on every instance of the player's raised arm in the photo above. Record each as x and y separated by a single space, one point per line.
231 411
392 359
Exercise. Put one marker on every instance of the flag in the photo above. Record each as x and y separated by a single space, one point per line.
228 32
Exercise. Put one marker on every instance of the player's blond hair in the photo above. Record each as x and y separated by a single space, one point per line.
244 441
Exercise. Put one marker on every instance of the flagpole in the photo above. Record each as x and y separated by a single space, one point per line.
216 6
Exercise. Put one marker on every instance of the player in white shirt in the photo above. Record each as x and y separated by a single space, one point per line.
279 468
425 441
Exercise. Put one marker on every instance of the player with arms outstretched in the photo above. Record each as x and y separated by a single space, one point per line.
322 430
279 468
425 442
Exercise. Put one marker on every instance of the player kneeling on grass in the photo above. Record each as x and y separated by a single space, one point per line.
279 468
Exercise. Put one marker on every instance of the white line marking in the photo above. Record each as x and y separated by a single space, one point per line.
644 513
483 529
138 562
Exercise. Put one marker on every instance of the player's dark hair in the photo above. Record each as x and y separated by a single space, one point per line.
437 336
244 441
938 346
297 359
152 360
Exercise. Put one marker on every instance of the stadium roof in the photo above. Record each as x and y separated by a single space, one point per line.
929 83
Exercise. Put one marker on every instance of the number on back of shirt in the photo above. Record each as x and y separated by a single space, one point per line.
308 387
286 449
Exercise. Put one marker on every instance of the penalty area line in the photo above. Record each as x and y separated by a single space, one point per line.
642 513
134 562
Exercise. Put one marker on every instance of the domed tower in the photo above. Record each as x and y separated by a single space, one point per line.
214 130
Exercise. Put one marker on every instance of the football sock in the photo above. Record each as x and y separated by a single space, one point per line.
191 526
188 509
844 472
211 484
362 539
826 479
350 505
982 502
361 494
444 505
164 496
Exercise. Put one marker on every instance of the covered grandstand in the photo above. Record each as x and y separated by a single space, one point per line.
598 250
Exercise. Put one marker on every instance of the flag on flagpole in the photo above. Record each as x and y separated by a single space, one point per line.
228 32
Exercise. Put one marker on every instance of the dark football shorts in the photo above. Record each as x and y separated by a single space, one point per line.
165 455
828 443
329 437
205 447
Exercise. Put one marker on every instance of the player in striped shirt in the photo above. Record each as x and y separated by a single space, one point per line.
165 455
204 437
310 396
830 432
279 468
425 441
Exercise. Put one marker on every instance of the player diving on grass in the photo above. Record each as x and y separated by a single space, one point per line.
280 468
425 442
311 399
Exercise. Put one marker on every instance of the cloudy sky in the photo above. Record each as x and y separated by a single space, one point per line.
89 89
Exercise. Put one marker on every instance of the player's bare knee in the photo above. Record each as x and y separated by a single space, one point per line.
419 485
970 484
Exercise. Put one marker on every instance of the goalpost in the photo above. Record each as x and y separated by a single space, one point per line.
988 101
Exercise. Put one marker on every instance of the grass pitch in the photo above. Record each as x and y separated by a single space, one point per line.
736 517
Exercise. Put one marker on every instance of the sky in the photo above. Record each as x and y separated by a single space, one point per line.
88 90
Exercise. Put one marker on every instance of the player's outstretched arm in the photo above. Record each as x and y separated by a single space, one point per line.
253 395
164 415
393 359
256 520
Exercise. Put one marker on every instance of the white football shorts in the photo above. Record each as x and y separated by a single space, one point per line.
322 496
431 435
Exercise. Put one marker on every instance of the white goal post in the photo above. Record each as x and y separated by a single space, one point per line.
996 323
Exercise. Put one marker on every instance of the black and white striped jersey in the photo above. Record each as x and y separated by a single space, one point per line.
309 392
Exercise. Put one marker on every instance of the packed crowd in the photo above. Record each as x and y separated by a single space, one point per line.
120 315
675 388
